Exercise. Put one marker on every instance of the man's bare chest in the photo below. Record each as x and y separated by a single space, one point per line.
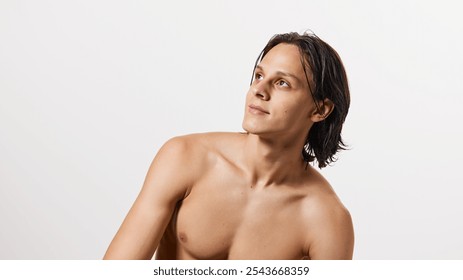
230 221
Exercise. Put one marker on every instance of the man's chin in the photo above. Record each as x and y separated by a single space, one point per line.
249 129
258 128
256 131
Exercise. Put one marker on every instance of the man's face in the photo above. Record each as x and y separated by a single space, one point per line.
279 102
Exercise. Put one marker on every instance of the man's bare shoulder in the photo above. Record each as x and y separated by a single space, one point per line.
320 191
211 138
328 220
202 145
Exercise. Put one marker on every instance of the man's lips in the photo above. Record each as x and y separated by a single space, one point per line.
257 109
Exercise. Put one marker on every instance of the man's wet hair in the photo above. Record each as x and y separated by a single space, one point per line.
326 78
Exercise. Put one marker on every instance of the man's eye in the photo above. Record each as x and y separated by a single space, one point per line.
258 76
282 83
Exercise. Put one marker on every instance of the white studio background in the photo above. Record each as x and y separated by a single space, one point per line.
89 91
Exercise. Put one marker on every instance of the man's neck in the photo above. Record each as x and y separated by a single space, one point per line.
271 162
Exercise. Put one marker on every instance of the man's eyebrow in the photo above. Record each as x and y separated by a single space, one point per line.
281 73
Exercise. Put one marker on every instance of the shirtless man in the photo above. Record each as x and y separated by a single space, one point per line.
253 195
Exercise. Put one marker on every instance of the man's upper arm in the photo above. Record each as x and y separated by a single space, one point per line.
167 182
333 238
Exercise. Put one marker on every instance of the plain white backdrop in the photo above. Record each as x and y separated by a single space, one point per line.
89 91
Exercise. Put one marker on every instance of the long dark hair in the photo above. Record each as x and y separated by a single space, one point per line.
329 80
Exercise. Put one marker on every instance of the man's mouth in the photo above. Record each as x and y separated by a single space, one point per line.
257 109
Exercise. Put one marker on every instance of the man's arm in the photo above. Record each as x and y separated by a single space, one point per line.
333 235
166 183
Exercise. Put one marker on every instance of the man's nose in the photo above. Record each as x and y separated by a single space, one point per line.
260 90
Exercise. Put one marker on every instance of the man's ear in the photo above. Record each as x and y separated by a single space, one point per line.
326 107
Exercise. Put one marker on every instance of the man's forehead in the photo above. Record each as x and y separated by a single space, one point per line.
284 58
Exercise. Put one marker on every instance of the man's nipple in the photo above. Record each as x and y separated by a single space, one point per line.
182 237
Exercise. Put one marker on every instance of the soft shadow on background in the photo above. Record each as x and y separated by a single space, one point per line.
89 90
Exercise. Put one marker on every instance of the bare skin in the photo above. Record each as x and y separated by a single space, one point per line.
242 195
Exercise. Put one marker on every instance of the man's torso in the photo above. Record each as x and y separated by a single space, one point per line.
225 217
